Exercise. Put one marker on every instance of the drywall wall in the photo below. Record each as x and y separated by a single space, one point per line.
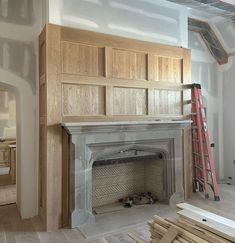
229 118
225 30
205 71
20 24
149 20
7 114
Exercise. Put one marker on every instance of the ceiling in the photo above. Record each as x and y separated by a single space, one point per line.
211 8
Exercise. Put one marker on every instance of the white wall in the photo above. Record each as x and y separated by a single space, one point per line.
149 20
229 118
20 24
205 71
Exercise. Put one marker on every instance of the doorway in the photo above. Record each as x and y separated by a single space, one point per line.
7 147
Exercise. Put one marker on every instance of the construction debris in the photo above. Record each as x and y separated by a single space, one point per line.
188 228
138 199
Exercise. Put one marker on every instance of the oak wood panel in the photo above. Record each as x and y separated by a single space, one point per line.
127 101
100 39
42 100
168 69
65 178
129 64
187 166
82 59
42 172
166 102
42 57
187 80
89 76
42 167
54 138
83 100
75 79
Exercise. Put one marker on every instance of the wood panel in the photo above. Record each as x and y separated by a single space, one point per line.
82 59
65 178
83 100
165 69
129 64
87 76
166 102
128 101
42 57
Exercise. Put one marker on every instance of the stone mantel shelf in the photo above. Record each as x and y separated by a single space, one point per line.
78 127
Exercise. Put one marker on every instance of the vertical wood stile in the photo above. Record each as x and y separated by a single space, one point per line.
150 91
54 131
108 89
150 68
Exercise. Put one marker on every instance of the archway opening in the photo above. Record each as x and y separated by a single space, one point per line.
8 145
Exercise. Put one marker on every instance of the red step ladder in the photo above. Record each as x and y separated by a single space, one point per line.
203 163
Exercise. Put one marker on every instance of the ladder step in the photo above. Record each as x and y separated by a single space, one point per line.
201 181
198 167
198 154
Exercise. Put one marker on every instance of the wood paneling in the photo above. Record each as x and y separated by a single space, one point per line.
129 101
42 57
129 64
83 100
165 69
65 178
87 76
82 59
166 102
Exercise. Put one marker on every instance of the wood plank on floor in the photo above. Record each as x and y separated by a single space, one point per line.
209 224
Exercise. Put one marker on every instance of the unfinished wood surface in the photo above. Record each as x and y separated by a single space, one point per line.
7 195
200 232
128 101
65 178
83 100
82 59
88 76
13 164
214 226
208 214
169 236
129 64
101 60
4 154
158 221
187 163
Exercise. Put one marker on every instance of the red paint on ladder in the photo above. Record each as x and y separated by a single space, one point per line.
203 162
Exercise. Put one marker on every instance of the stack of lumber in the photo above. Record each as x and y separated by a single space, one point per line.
193 225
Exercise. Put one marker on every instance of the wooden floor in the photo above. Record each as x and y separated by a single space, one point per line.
7 195
15 230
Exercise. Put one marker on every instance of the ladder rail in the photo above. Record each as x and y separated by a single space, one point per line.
203 162
208 148
201 146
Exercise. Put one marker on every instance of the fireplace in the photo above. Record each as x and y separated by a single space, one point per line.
132 173
101 148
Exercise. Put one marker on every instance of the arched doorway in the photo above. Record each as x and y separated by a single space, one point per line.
8 146
27 152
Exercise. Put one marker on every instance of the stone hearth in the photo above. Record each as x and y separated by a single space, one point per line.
94 141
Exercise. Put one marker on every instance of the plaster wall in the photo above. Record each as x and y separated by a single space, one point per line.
20 24
149 20
228 75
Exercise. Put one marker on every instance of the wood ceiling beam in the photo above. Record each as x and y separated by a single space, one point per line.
210 39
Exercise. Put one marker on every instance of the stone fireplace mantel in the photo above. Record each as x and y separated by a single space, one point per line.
92 141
